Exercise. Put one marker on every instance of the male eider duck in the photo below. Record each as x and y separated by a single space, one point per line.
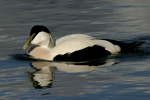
75 47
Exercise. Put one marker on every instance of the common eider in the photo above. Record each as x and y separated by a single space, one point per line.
75 47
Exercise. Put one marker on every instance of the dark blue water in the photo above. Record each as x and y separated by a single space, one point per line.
123 77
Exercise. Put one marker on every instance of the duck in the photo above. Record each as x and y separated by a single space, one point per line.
74 47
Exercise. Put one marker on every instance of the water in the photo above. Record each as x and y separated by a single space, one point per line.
125 77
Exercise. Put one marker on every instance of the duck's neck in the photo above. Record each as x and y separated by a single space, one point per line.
51 43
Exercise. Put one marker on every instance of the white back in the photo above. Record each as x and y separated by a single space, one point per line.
70 45
64 38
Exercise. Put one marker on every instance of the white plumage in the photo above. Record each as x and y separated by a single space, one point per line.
72 44
70 47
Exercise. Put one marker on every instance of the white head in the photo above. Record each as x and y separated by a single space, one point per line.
39 35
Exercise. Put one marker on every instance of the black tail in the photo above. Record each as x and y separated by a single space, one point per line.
134 45
125 47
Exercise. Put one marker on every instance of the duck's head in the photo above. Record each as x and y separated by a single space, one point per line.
39 35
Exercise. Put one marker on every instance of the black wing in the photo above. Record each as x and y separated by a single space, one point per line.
89 53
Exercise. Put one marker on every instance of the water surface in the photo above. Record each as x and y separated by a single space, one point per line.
116 78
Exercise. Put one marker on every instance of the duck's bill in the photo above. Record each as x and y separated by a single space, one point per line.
28 42
26 46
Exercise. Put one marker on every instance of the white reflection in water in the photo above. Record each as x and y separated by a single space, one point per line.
90 79
45 71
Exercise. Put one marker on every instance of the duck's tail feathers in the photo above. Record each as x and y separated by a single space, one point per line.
134 44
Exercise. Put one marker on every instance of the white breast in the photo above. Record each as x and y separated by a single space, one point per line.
40 52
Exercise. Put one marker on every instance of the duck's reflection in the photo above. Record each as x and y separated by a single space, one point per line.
44 73
42 78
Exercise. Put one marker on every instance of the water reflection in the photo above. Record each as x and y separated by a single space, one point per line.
44 73
42 78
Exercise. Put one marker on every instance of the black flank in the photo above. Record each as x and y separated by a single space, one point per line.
89 53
